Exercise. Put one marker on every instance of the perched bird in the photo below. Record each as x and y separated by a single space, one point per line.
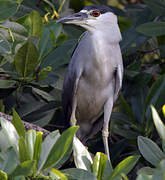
94 77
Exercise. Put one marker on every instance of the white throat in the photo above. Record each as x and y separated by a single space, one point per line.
105 26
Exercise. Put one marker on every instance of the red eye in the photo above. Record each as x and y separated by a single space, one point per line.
95 13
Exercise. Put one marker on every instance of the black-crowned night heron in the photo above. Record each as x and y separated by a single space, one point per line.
95 72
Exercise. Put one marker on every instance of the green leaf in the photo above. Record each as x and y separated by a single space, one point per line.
3 175
146 170
47 145
24 169
60 148
46 43
127 108
43 94
150 151
23 150
35 24
10 133
65 158
99 164
59 56
26 59
56 174
156 6
144 177
82 157
152 28
124 167
37 147
13 31
4 46
158 123
4 143
61 39
7 9
159 173
4 84
155 96
15 28
8 160
17 122
30 141
80 174
131 41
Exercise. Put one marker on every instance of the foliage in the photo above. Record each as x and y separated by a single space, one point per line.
152 153
23 154
100 166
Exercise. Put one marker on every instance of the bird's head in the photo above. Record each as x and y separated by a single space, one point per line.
92 17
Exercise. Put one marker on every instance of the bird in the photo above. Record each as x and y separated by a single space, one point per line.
95 72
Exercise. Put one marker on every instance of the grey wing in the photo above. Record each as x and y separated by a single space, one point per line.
67 96
118 79
74 72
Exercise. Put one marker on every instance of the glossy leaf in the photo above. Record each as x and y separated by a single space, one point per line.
158 123
7 9
37 147
156 6
124 167
26 59
47 43
3 175
13 31
80 174
146 170
131 41
24 169
9 160
61 39
17 122
163 110
144 177
10 133
150 150
43 94
66 158
59 56
159 173
35 24
7 83
23 150
56 174
127 108
4 143
47 145
155 96
30 141
15 28
82 157
4 46
99 165
60 148
152 28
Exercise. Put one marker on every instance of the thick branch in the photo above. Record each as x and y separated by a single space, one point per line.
26 124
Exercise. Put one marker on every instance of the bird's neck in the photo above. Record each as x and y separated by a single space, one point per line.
110 34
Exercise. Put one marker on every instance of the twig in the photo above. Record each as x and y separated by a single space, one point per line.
148 51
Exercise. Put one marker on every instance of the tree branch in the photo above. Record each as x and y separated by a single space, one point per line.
26 124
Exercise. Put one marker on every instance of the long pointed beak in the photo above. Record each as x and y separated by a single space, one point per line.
72 19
